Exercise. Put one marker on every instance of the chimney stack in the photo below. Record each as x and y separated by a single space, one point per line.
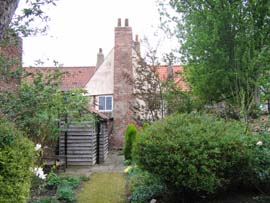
123 89
100 58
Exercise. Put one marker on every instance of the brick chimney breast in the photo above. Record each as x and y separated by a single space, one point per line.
123 75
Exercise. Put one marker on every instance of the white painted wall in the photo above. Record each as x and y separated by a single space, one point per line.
102 81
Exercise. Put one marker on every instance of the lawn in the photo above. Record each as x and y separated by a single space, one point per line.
103 188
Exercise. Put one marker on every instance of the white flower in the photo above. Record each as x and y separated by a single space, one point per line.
38 147
259 143
40 173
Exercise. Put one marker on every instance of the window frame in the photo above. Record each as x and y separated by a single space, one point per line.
105 103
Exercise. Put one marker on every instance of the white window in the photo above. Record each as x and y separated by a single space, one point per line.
105 103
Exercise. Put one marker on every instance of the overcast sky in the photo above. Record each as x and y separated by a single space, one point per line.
79 28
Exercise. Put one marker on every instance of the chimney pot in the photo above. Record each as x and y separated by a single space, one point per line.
126 22
100 50
119 22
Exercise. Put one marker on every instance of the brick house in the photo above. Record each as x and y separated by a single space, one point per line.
108 83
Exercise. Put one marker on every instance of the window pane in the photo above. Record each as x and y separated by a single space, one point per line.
108 103
101 103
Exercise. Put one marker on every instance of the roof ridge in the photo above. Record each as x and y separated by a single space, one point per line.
60 67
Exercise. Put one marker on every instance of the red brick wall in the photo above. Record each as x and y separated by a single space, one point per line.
123 75
11 59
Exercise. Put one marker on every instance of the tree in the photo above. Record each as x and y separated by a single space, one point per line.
7 10
155 94
37 107
22 22
148 105
222 45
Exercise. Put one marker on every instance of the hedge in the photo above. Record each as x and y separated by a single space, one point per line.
16 157
202 154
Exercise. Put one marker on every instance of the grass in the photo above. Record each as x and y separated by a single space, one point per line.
103 188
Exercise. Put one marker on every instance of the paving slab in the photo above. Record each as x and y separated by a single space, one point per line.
114 163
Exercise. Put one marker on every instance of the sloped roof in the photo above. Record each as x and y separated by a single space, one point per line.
74 77
78 77
178 79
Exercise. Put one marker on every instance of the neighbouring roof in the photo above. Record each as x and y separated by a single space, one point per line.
78 77
74 77
178 79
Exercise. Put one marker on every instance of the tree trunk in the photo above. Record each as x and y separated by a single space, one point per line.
7 10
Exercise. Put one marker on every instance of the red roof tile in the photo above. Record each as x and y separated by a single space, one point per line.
178 79
74 77
78 77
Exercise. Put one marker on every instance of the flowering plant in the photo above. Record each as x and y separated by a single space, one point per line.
37 147
259 143
38 171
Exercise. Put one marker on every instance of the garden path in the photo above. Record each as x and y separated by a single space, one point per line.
107 181
114 163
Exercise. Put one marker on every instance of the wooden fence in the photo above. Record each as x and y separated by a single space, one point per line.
84 143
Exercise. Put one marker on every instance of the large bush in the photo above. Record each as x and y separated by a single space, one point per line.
143 186
16 157
201 154
130 137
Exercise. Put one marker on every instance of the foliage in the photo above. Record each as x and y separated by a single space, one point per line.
201 154
37 107
144 186
54 180
226 52
127 162
37 185
61 187
16 157
148 104
46 200
32 19
157 94
130 138
177 100
261 162
65 193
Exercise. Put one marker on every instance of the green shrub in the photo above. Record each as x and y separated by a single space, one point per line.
54 181
143 186
261 164
130 137
46 200
200 154
16 157
127 162
65 193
